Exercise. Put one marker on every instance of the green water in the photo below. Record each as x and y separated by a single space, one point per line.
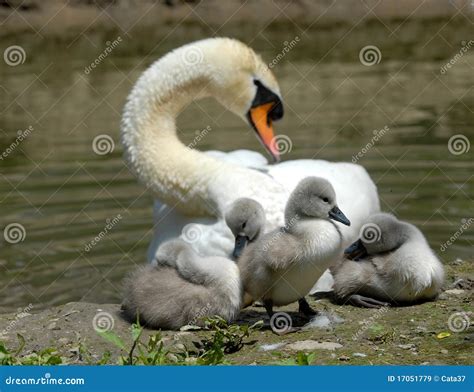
62 192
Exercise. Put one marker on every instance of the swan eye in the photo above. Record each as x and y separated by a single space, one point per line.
326 200
244 224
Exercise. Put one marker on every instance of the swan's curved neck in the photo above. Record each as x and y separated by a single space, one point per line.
177 174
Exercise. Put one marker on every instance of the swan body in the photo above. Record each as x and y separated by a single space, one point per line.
396 266
193 187
283 265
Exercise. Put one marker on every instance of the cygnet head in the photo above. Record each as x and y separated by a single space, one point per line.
381 233
246 220
314 197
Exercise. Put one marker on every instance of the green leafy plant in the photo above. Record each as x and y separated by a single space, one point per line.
152 352
226 339
48 356
301 359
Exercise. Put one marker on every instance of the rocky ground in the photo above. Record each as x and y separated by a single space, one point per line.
430 333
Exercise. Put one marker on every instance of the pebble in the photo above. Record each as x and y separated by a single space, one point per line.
344 358
53 326
444 351
409 346
313 345
185 328
271 347
454 292
360 355
180 346
64 341
179 335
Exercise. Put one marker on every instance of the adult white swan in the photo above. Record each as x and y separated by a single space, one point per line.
195 187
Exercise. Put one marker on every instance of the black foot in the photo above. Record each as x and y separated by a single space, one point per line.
305 309
268 304
366 302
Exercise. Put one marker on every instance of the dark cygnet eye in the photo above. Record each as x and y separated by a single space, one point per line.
326 200
244 224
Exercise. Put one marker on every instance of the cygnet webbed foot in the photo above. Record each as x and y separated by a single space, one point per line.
366 302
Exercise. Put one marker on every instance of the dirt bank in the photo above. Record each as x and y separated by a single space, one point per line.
420 334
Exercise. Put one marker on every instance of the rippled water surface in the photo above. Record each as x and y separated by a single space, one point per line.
64 194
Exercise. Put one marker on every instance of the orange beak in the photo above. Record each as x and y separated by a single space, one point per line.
263 125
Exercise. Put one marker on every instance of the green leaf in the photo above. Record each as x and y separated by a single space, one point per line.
112 338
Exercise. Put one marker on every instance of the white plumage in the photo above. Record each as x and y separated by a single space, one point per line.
193 187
